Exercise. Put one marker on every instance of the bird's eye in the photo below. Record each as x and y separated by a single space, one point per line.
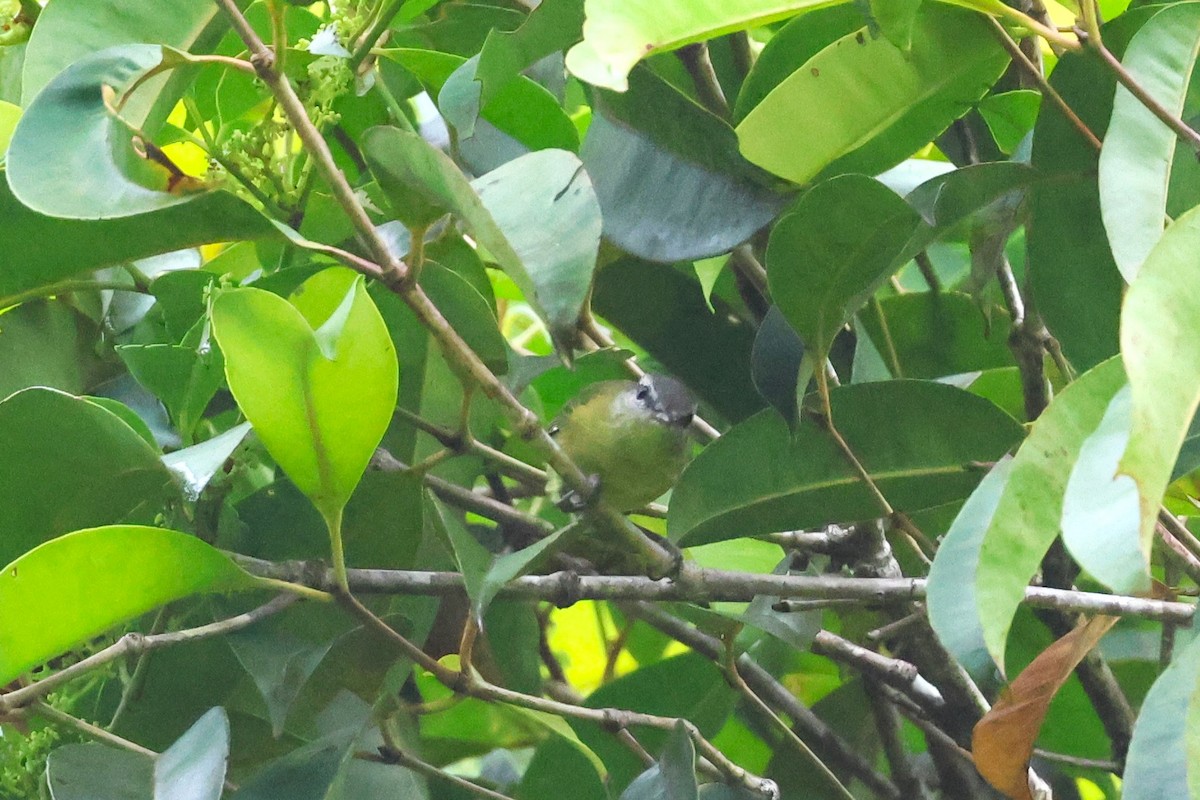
643 392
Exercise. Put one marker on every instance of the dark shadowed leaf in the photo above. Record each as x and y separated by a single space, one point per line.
918 460
1071 269
68 463
829 253
673 777
668 176
662 309
775 365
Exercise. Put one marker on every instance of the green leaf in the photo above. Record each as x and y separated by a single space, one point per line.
864 105
184 378
522 108
318 381
673 777
936 334
828 255
1139 149
9 114
759 479
555 764
1160 345
483 573
980 196
791 46
954 611
551 27
1162 753
775 364
896 19
101 166
668 176
68 463
1010 116
687 686
40 250
68 32
618 33
664 311
95 771
1029 514
469 312
47 343
87 581
306 773
280 660
193 768
1070 264
1100 521
537 216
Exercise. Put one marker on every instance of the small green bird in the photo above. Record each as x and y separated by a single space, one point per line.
631 436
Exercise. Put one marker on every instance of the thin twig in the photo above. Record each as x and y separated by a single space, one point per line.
390 755
1033 71
89 730
699 65
464 443
137 644
1126 79
471 683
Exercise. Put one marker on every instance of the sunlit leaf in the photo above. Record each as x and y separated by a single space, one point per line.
87 581
318 382
864 105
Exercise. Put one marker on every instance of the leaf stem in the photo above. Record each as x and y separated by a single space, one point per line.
1126 79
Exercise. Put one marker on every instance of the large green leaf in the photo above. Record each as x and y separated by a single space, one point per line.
1160 345
662 309
950 596
537 216
68 463
521 108
864 105
828 255
1028 517
47 343
39 250
71 156
759 479
67 32
85 582
619 33
317 379
1074 279
1139 149
792 45
936 334
668 175
1100 514
1162 753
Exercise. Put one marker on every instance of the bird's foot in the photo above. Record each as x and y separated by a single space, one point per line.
574 501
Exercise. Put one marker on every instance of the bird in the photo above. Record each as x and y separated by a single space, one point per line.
629 437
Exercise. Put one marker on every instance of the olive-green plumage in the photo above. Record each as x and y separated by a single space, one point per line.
632 436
